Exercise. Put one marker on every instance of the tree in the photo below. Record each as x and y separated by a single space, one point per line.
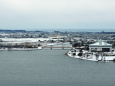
74 54
80 54
39 45
87 48
113 45
80 50
76 45
114 59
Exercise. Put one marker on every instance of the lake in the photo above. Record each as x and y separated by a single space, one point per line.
52 68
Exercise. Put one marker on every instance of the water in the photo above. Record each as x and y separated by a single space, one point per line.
52 68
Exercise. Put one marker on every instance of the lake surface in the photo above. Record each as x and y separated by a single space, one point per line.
52 68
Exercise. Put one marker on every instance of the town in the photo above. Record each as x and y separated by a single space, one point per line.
57 38
84 45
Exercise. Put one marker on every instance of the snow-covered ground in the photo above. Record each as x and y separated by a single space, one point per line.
91 56
24 39
20 49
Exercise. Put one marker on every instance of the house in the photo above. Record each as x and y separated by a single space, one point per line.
100 46
57 37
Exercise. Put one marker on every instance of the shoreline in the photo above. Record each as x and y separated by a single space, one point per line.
90 57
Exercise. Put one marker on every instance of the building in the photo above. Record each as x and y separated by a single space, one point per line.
57 37
100 46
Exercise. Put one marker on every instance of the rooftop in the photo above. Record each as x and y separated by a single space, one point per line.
100 43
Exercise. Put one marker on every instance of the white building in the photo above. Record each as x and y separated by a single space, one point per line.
57 37
100 46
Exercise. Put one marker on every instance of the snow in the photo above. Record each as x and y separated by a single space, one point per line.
90 57
24 39
100 44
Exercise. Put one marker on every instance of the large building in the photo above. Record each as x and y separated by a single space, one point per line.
100 46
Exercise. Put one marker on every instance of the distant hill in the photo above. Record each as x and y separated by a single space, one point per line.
12 31
15 31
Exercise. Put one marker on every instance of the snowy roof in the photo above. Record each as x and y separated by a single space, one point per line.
100 43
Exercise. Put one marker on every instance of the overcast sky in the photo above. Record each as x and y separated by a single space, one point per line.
57 14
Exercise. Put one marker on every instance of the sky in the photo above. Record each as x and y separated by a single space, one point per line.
57 14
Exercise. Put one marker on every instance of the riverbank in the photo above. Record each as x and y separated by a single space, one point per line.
92 56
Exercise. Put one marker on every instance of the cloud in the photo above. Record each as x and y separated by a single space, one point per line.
58 5
57 12
33 5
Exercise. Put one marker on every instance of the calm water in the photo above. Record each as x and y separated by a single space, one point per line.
52 68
